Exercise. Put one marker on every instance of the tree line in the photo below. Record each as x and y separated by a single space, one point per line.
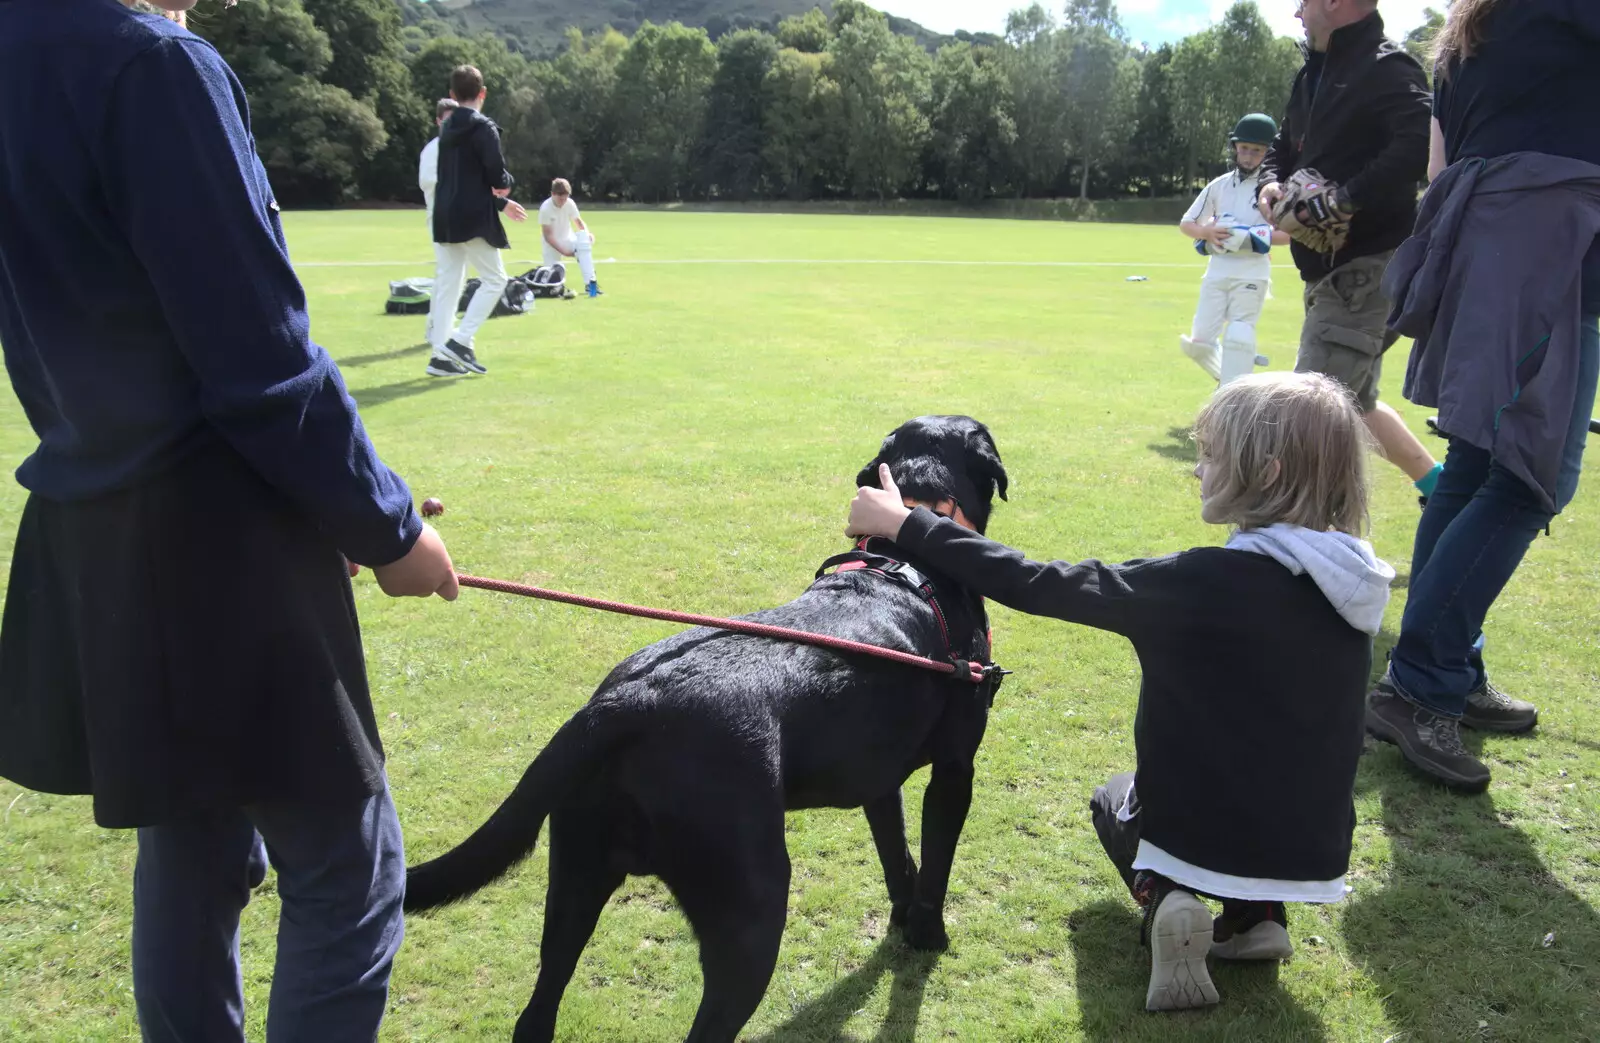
812 107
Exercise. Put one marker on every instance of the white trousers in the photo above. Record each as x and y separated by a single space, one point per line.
1223 341
452 260
582 246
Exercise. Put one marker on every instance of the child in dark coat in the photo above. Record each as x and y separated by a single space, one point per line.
1256 657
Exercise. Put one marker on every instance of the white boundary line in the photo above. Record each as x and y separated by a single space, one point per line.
796 260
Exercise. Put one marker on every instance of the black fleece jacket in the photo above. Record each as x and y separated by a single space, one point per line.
471 167
1359 114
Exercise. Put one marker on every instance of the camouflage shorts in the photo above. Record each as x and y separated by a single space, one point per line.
1346 331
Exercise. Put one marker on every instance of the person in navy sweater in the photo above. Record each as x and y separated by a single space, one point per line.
1255 658
180 638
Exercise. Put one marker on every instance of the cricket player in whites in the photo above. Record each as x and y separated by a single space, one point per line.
566 235
1226 226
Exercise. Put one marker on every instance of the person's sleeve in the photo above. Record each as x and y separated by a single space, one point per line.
185 185
1404 107
1281 155
487 142
547 216
1193 213
1119 598
427 173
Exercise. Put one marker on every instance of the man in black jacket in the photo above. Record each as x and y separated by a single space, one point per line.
1359 114
473 187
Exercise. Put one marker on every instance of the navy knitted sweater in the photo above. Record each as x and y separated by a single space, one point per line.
147 304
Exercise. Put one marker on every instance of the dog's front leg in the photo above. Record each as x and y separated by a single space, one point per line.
887 817
944 812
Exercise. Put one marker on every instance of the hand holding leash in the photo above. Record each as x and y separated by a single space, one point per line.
878 512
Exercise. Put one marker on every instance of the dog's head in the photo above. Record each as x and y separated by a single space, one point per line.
936 458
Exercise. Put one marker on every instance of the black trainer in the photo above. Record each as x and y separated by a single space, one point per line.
439 366
1431 743
1491 710
458 352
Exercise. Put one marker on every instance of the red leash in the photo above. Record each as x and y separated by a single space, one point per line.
974 671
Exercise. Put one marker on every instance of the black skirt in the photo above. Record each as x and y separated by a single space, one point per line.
187 644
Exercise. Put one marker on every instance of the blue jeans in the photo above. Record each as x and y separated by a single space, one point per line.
341 877
1473 534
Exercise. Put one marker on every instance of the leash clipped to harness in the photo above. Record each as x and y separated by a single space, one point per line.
962 669
903 573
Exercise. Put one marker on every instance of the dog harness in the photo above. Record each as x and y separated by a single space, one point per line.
865 559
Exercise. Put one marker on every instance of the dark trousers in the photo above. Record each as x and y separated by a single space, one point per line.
1478 524
341 878
1119 839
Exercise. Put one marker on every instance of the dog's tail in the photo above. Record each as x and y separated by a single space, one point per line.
511 832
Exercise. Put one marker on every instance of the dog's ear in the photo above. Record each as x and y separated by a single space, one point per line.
868 475
983 460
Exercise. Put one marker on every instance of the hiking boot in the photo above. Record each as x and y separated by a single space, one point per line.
1491 710
439 366
1178 928
1251 931
1431 743
455 351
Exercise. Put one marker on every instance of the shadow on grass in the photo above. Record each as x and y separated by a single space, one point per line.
1113 971
366 398
823 1019
1454 938
1179 447
357 361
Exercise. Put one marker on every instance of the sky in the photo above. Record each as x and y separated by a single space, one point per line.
1148 21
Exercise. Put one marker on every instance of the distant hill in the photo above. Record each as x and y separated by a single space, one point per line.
540 25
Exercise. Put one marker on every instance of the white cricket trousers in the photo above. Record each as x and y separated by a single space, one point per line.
1223 341
581 245
451 277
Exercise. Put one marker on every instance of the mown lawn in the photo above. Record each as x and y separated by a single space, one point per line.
689 440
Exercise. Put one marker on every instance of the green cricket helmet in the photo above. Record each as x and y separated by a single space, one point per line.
1255 129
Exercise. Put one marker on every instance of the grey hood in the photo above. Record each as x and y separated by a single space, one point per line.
1353 579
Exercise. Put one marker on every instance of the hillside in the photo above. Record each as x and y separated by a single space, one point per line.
540 25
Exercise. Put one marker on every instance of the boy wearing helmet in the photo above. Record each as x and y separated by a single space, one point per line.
1226 227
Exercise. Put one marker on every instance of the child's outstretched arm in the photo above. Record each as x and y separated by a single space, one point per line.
1107 597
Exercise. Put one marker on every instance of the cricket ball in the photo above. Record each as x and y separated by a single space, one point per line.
432 507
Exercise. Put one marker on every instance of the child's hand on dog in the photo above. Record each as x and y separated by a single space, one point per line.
878 512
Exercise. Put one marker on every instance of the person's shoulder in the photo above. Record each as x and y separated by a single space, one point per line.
1393 59
109 36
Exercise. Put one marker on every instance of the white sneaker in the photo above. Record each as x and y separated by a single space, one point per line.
1180 938
1267 940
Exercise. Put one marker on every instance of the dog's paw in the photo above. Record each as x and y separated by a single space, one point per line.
924 929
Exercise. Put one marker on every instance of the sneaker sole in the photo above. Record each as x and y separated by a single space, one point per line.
1264 941
444 373
1180 938
474 367
1379 729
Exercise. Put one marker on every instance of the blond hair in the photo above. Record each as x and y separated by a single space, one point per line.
1462 33
1291 448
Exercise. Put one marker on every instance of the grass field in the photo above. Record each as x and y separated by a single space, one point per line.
689 440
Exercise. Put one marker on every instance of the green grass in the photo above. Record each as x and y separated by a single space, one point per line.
689 440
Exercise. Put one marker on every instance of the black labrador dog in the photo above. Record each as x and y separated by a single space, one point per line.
685 759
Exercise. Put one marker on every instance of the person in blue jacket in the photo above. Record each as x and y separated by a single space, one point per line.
180 638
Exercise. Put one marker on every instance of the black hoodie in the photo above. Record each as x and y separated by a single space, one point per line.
471 167
1359 114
